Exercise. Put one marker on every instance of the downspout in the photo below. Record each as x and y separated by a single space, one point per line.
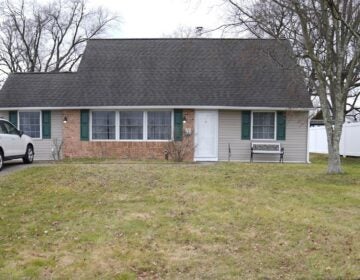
308 138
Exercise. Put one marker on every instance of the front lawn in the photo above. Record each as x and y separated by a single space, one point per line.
180 221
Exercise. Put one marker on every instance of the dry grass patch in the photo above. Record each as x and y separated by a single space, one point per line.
163 221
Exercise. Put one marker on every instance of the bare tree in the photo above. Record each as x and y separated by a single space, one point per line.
49 37
56 150
180 150
325 38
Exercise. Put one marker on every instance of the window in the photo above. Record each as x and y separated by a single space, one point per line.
131 125
263 125
3 129
159 125
7 128
30 123
103 125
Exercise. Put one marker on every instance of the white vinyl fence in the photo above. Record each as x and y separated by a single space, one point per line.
349 144
318 141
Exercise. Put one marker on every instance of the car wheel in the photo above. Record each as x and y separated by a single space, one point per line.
29 156
1 161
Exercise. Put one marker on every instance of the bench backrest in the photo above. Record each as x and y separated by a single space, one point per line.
266 147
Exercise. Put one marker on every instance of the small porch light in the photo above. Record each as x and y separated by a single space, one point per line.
65 119
184 120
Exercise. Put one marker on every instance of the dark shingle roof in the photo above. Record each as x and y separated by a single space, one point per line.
168 72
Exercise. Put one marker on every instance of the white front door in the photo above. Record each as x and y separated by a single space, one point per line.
206 135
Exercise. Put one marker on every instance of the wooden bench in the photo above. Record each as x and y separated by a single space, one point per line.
267 148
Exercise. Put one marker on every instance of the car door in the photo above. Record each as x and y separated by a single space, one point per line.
17 146
5 140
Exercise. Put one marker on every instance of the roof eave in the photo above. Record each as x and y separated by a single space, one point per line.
159 107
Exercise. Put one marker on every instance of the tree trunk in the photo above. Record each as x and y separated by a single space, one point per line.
334 162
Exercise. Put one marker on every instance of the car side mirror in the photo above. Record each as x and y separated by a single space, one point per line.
21 133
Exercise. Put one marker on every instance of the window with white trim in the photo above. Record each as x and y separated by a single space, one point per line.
131 125
30 123
159 125
263 125
103 125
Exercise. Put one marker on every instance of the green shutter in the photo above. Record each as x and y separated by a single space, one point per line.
178 124
46 124
13 117
281 126
84 125
245 125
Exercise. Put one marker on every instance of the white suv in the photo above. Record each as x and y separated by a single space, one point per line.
14 144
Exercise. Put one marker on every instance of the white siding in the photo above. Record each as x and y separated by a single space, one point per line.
295 144
43 147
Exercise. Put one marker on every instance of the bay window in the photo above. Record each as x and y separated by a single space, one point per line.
29 123
263 125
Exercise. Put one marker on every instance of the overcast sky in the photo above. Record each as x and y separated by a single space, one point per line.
157 18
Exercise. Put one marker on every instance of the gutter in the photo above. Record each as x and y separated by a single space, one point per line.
155 107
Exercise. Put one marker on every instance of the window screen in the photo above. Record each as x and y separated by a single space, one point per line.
103 125
30 123
159 125
131 125
263 125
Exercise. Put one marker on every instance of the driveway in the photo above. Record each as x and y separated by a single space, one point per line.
14 165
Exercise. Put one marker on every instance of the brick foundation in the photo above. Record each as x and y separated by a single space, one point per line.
75 148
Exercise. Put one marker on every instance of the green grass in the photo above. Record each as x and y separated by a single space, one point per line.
170 221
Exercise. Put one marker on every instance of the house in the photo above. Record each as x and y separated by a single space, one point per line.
129 97
351 117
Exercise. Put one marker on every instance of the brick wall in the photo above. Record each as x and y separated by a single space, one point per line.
75 148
